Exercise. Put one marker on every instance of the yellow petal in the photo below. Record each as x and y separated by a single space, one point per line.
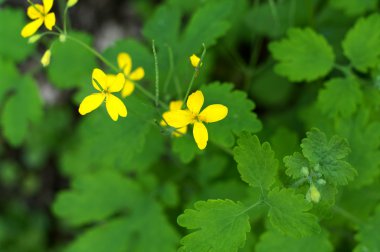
175 105
47 5
213 113
180 132
128 88
49 21
200 135
178 118
115 107
124 62
115 82
31 27
101 79
91 103
194 60
138 74
195 102
35 11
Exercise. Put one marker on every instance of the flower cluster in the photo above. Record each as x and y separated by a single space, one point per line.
40 15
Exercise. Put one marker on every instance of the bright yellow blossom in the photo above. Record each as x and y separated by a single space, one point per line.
194 115
124 62
40 15
105 84
194 59
175 105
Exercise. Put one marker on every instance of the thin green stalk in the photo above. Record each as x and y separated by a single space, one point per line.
157 80
346 214
65 20
194 75
273 9
171 69
250 207
346 70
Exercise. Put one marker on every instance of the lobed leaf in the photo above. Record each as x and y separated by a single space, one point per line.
368 234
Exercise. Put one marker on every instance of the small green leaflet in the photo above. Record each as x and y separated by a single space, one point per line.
368 234
273 241
340 97
361 44
294 165
256 163
221 226
288 213
354 7
327 156
304 55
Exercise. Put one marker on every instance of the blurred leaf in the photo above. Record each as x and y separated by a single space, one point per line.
185 147
304 55
288 213
273 241
256 162
340 97
71 64
354 7
9 77
97 196
221 225
368 234
328 156
294 164
284 141
12 45
361 43
23 107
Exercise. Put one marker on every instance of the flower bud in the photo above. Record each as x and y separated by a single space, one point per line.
314 194
45 60
194 60
34 39
321 182
71 3
305 171
62 38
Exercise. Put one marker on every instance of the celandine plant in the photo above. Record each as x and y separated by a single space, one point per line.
156 164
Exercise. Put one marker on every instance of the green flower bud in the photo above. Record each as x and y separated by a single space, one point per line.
45 60
321 182
305 171
34 39
71 3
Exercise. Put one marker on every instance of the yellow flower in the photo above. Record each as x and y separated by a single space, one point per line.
175 105
45 60
125 64
105 84
193 115
194 59
39 14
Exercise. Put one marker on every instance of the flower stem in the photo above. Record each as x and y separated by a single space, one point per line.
195 74
157 80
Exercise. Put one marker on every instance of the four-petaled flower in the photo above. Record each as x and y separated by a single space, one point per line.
39 14
124 62
175 105
193 115
105 84
194 59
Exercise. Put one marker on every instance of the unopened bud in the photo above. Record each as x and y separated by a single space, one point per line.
314 194
62 38
194 60
34 39
321 182
305 171
71 3
45 60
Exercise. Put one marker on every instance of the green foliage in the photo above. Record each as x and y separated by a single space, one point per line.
304 55
12 45
368 234
256 162
341 97
361 43
71 64
354 7
288 213
221 226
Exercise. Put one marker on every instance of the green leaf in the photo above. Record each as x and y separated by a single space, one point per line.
272 241
354 7
13 46
294 165
368 234
256 162
326 156
96 196
103 142
185 147
9 77
240 116
207 25
304 55
221 225
364 138
71 64
146 229
361 43
23 107
340 97
288 213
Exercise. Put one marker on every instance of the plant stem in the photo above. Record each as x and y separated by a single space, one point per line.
250 207
346 214
65 20
171 69
157 80
194 75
